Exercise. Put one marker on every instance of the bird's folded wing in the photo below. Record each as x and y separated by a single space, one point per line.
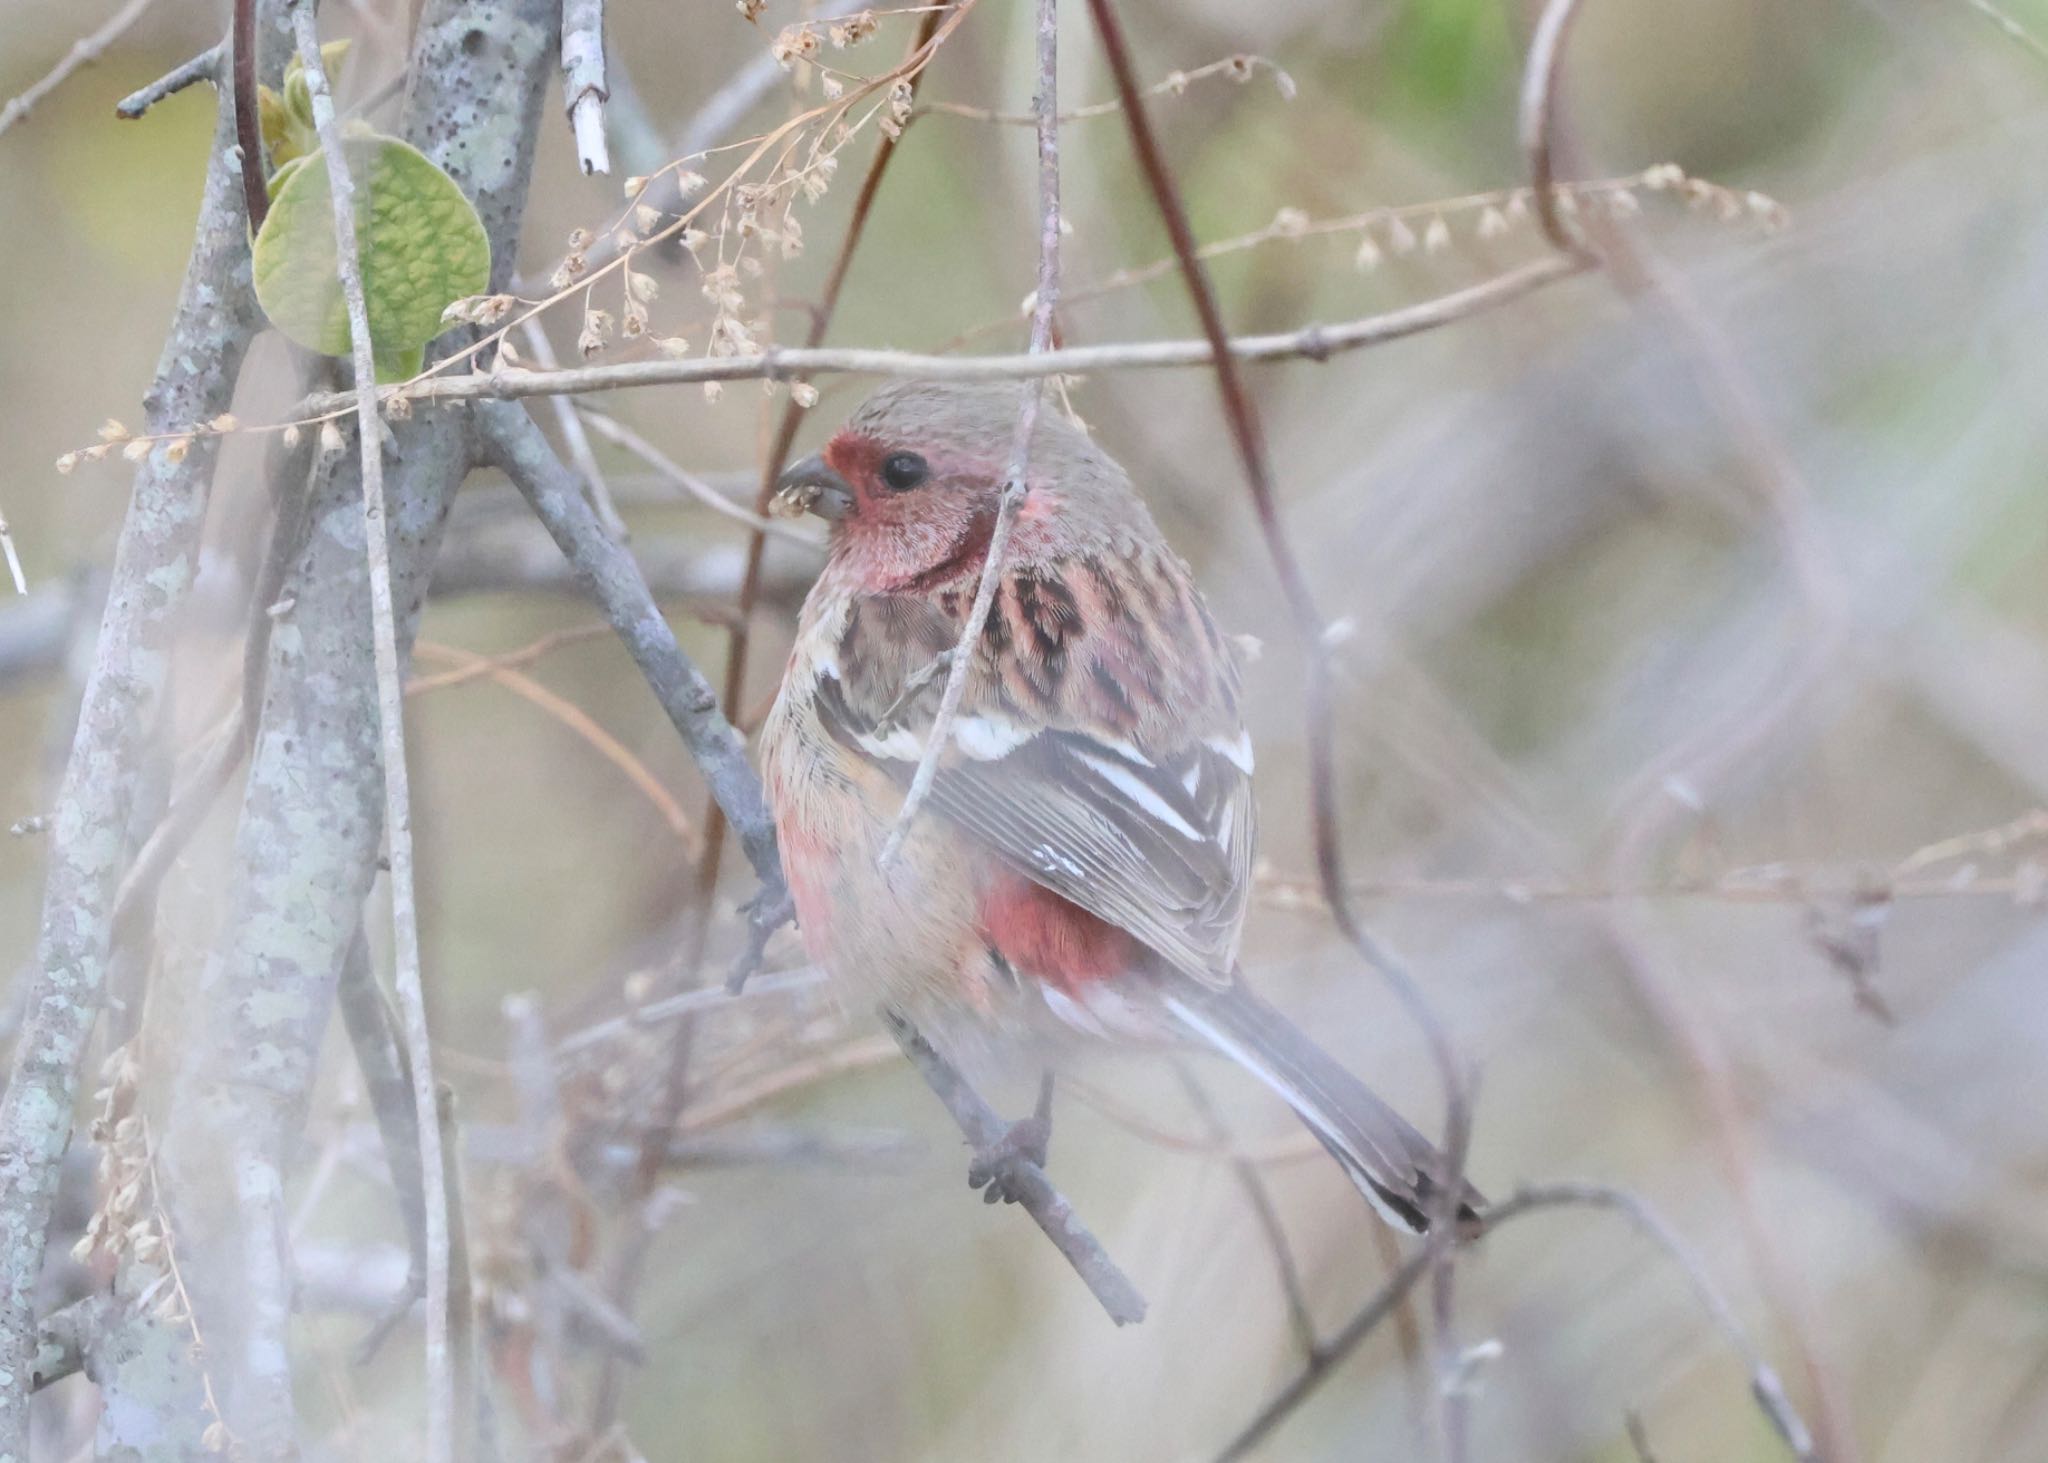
1090 753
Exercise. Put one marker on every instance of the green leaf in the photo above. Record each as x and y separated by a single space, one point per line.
423 248
287 118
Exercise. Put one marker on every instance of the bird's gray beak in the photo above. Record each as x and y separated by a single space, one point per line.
811 486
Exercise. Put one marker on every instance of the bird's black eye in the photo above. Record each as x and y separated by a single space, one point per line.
904 470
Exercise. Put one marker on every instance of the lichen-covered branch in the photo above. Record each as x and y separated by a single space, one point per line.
154 564
405 923
308 836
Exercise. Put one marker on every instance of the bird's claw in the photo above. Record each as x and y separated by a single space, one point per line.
998 1169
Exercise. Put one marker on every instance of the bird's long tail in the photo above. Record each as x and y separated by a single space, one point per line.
1399 1171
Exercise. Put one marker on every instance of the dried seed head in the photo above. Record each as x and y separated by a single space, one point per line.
854 29
331 443
794 43
1664 176
225 422
646 218
713 390
831 86
112 431
643 287
635 185
1492 223
176 448
67 462
1368 256
751 9
672 346
1437 237
137 449
1290 223
1400 238
803 393
579 240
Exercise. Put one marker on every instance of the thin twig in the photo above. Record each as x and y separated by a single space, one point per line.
1764 1382
13 559
1538 122
1249 439
1314 343
1384 1300
203 67
83 52
1016 482
1720 742
2012 28
584 92
1765 1386
766 916
373 1035
1239 68
583 725
1249 1179
248 123
1033 1190
605 568
570 424
669 470
441 1401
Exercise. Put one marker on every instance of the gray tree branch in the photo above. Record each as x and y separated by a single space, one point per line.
306 845
154 564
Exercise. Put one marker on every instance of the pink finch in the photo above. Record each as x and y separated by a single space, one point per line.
1084 859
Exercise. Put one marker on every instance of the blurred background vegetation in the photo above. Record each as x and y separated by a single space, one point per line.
1682 610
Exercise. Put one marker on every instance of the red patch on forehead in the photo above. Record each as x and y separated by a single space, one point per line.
855 457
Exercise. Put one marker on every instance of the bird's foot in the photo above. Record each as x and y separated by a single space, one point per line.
998 1168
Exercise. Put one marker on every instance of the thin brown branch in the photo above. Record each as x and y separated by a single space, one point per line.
1240 68
1765 1386
248 126
1764 1382
580 723
1249 440
1538 122
1299 1317
84 51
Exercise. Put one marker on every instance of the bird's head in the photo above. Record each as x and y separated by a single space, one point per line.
912 484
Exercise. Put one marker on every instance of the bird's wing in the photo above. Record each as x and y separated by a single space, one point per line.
1098 750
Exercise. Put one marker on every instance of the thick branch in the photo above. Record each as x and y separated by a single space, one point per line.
154 564
405 927
307 841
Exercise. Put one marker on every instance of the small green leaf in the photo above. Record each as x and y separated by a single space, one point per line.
287 119
423 247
